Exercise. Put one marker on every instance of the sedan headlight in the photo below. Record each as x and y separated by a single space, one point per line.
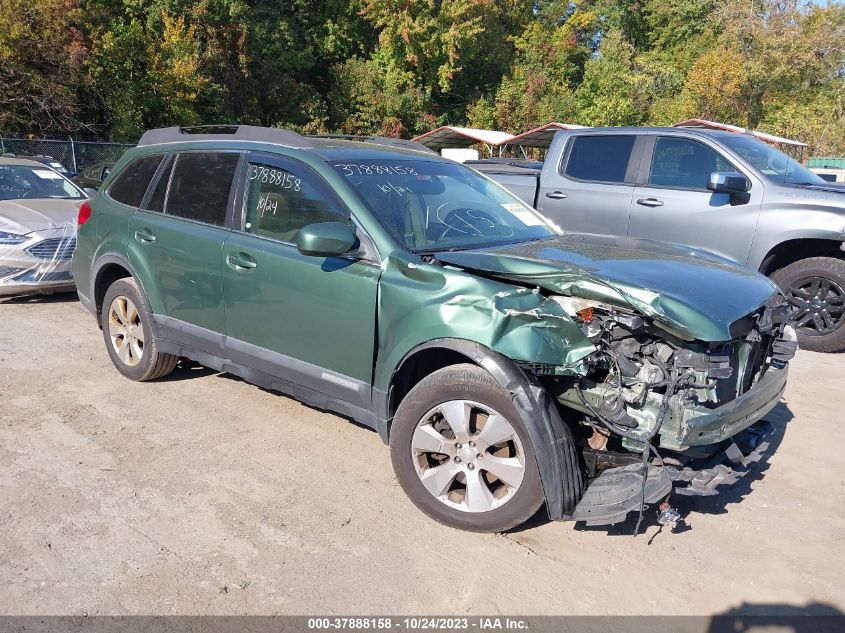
12 238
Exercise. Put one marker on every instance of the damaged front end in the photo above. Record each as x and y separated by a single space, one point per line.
685 413
662 361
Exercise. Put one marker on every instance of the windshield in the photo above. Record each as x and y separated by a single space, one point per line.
771 162
436 205
23 181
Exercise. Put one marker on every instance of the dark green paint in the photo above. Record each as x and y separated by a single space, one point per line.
360 319
326 239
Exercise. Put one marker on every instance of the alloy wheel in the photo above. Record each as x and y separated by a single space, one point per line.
818 306
125 331
468 456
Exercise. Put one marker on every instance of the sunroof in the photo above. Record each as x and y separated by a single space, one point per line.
210 129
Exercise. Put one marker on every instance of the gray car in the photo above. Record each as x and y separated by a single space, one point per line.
723 192
38 215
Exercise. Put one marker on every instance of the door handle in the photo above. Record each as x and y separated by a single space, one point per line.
650 202
145 236
555 195
241 261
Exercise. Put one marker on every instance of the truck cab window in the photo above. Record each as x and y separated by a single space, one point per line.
685 164
600 158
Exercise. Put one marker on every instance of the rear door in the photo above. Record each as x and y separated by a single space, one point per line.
674 205
590 185
307 320
177 241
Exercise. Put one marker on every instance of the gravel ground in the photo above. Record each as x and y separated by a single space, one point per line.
201 494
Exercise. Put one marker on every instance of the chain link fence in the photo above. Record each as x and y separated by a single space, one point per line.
74 155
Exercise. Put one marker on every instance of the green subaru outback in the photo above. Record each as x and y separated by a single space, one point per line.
509 364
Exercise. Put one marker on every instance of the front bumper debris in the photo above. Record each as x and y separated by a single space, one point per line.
728 466
616 492
698 426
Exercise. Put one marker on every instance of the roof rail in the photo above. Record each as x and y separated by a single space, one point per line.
225 133
380 140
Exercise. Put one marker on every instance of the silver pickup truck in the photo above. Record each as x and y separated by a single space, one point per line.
723 192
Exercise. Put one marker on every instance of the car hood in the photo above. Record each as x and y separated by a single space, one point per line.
694 293
25 215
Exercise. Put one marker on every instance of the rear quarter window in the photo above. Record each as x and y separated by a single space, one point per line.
599 158
131 184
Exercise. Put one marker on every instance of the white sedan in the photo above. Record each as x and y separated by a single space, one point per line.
38 214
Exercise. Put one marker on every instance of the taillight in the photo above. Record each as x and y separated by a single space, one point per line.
84 213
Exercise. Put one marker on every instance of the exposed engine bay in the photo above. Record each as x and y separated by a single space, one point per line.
649 395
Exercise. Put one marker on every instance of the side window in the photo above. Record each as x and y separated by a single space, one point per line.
680 162
600 158
131 184
280 202
200 185
156 201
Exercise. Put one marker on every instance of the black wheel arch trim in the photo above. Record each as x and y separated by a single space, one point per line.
100 263
554 450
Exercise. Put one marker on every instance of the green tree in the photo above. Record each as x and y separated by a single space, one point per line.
454 50
548 65
614 90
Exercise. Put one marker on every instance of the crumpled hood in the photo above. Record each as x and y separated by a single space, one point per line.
25 215
693 292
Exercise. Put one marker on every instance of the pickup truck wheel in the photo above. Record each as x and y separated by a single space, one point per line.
462 453
816 289
127 330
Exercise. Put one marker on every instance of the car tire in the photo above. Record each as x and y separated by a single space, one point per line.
816 288
128 333
472 398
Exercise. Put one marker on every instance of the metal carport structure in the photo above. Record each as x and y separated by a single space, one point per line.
452 136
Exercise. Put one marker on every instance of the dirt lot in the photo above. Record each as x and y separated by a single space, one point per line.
202 494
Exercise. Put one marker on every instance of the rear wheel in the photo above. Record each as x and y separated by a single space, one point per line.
816 289
127 330
462 453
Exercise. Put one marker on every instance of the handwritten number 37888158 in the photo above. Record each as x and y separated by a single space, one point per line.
277 177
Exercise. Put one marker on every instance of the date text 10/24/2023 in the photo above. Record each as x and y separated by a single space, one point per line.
418 623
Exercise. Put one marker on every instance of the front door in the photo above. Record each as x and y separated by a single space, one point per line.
674 205
308 320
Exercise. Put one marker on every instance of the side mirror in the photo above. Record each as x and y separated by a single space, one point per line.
90 191
728 182
326 239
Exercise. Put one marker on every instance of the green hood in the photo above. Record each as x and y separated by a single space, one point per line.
697 294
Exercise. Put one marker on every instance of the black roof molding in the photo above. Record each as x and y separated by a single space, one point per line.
224 133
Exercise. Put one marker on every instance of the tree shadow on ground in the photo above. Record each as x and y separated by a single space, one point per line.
814 617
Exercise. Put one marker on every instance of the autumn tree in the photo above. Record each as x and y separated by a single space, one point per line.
41 65
399 67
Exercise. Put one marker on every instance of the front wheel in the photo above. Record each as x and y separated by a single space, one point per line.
462 453
816 289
